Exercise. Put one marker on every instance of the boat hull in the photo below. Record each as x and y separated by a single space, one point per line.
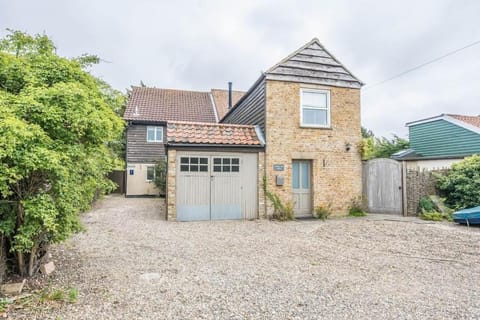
467 216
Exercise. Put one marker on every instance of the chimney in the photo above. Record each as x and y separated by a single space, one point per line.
229 95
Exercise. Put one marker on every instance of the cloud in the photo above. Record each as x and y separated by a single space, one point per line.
200 45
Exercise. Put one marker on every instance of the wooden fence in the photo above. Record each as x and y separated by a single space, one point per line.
389 187
118 176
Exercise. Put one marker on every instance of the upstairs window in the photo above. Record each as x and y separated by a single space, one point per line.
315 108
154 134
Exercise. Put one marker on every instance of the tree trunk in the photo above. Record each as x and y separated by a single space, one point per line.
21 263
32 260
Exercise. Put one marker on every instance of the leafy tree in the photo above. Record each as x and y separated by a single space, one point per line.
385 147
373 147
366 133
461 184
59 126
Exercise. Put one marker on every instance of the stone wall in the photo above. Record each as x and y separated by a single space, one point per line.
336 172
420 183
171 185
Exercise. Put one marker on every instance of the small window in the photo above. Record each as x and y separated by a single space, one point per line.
315 108
226 164
154 134
193 164
150 173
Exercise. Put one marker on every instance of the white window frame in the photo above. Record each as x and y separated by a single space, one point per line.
328 108
156 130
150 180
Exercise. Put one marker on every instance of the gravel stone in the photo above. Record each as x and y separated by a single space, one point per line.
132 264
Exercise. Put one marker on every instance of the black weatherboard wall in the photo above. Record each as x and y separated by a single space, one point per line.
251 107
138 149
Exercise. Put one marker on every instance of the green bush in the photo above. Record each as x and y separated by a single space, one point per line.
323 212
281 211
356 208
59 138
426 204
429 209
461 185
160 179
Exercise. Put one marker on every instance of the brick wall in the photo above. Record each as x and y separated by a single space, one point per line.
336 173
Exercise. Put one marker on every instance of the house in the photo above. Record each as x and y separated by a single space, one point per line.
295 132
308 107
147 113
440 141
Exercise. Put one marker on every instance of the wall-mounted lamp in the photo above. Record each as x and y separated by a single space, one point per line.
348 146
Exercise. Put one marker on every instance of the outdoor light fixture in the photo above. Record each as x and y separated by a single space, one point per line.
348 146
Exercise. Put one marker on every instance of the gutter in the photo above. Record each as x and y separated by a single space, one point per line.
211 145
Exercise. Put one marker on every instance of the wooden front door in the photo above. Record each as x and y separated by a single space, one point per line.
302 190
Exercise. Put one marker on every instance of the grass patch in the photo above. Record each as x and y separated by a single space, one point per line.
72 295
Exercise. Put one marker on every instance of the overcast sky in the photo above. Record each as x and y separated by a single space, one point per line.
200 45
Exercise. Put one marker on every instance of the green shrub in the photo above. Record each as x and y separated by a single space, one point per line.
433 208
160 179
356 208
461 185
323 212
60 135
437 216
426 204
281 211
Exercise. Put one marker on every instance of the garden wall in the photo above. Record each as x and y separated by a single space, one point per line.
419 183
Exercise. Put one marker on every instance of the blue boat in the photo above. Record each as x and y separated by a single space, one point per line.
467 216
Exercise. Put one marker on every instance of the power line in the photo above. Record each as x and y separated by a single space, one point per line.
422 65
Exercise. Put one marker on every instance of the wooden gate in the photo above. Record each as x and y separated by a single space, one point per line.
382 185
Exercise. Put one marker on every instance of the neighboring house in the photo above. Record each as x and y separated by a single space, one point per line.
147 113
440 141
297 130
308 107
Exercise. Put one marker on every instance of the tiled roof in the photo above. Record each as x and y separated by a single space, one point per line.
180 132
473 120
153 104
220 97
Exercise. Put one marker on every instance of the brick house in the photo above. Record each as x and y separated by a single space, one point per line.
147 113
308 105
297 128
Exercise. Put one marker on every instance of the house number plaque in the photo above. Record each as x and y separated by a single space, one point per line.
278 167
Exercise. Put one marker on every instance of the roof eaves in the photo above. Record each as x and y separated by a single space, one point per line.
448 118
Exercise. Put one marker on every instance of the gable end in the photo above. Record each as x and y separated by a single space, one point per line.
313 64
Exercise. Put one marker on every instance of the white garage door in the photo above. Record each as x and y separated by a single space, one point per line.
216 186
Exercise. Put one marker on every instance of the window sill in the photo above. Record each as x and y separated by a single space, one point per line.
304 126
155 141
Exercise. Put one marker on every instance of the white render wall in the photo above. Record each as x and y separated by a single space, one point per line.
137 184
432 164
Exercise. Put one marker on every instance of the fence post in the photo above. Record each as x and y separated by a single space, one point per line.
404 189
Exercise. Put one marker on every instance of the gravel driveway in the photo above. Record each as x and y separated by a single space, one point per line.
131 264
